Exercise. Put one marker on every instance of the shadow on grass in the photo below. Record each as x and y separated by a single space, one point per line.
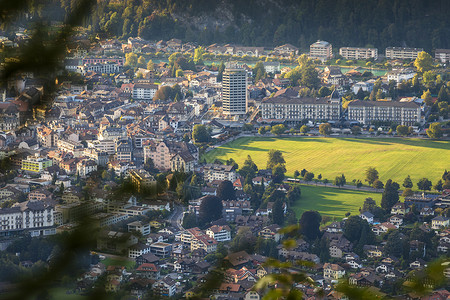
401 141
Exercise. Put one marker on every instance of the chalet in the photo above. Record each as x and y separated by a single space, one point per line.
397 220
333 271
439 222
400 208
368 216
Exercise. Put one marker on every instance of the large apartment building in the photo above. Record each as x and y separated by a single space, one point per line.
358 53
321 50
219 172
365 112
170 155
29 215
295 109
402 53
234 90
443 55
70 146
36 164
142 180
144 91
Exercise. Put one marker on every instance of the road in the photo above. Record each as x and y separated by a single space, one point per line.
177 216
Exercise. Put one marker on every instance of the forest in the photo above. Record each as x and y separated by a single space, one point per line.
375 23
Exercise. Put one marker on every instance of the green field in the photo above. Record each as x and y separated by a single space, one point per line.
331 202
61 293
118 262
394 158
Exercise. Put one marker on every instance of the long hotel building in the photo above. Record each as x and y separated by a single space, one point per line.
402 53
358 53
295 109
365 112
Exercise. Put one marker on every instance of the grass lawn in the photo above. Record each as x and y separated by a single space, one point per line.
332 202
394 158
118 262
60 293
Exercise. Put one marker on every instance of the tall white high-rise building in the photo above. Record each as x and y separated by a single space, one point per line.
234 90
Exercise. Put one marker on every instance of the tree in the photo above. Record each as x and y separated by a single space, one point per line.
210 209
407 183
426 96
141 62
225 191
310 224
424 184
275 157
402 130
278 129
189 221
278 213
407 192
324 91
179 73
369 205
377 184
294 194
296 174
278 172
150 65
390 195
439 186
339 181
308 176
262 130
131 59
198 55
356 130
434 131
304 129
310 77
371 175
303 172
200 134
423 62
249 168
325 129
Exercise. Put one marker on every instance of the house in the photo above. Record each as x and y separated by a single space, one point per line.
148 270
426 211
138 250
143 228
334 227
439 222
418 264
368 216
333 271
271 232
219 172
397 220
400 208
372 251
165 287
219 233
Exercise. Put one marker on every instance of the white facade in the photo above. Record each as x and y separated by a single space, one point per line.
143 91
234 91
26 215
358 53
321 50
402 53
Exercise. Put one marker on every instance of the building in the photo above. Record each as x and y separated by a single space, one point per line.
439 222
101 68
321 50
86 166
182 162
400 75
443 55
358 53
295 109
144 91
161 249
35 216
219 172
142 180
36 164
165 287
234 90
138 250
143 228
366 112
219 233
402 53
333 271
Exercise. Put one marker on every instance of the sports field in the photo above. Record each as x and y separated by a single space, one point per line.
332 202
394 158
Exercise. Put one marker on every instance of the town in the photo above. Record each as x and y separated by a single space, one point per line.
127 149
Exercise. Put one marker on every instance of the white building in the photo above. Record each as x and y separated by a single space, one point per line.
234 90
321 50
86 166
144 91
443 55
219 233
400 75
219 172
32 215
358 53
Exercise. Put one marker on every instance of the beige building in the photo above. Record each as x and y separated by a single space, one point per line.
321 50
47 138
234 90
285 108
142 180
333 271
402 53
219 172
70 146
358 53
365 112
443 55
